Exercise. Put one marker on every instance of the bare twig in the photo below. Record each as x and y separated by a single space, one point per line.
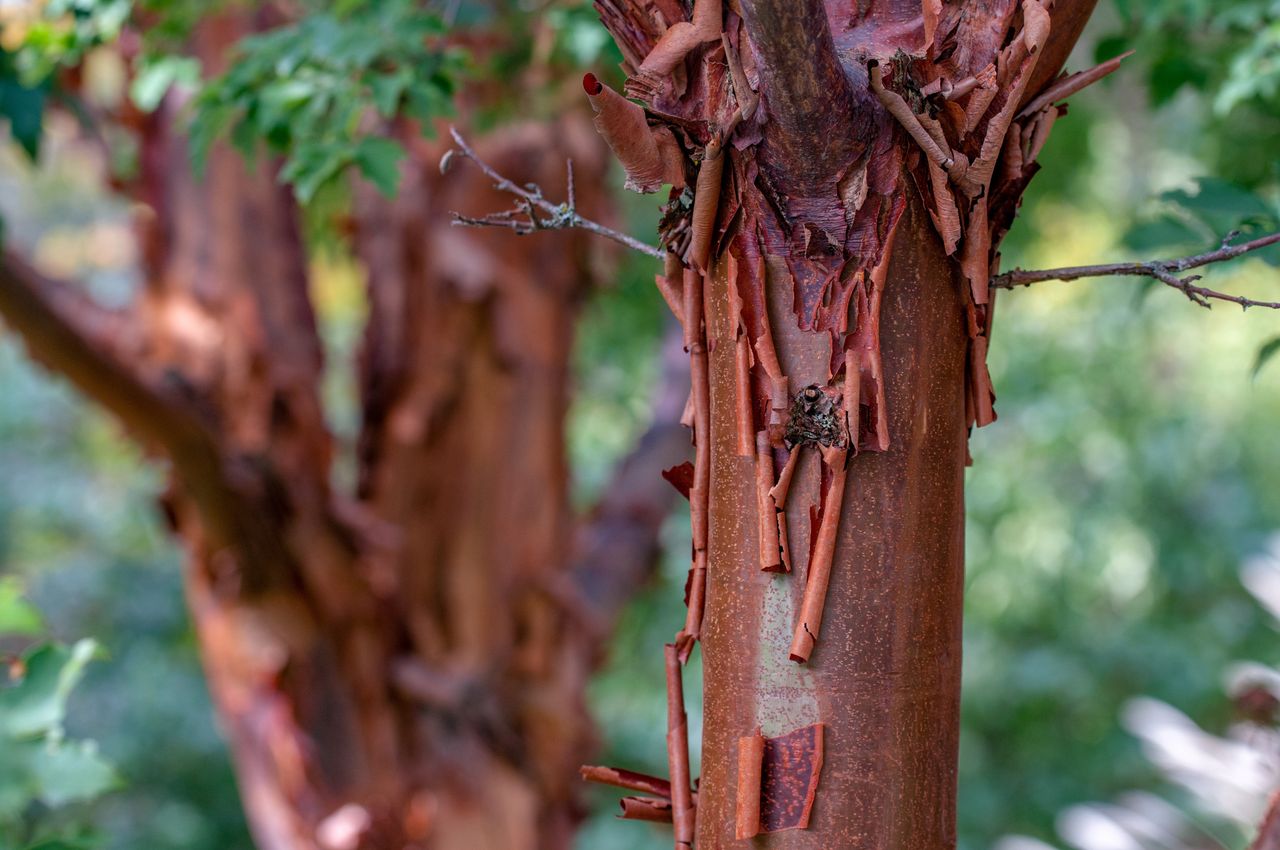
1165 271
524 218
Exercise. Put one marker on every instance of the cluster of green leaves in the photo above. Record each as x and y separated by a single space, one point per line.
1204 214
1227 48
1226 52
58 37
321 91
43 769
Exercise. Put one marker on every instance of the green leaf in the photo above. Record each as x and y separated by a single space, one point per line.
1265 353
1110 47
24 107
312 166
379 161
387 91
37 704
158 75
1163 233
17 616
307 90
70 772
1223 206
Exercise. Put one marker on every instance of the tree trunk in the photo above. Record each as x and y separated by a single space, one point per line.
885 680
851 173
401 663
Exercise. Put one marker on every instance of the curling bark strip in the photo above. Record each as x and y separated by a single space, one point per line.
678 751
650 156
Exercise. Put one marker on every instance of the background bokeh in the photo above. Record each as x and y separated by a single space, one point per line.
1134 468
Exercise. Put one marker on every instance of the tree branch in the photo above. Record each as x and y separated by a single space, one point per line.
1165 271
809 97
51 318
523 218
37 308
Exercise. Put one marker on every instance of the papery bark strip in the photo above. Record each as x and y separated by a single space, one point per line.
818 574
694 335
628 779
682 37
771 560
706 200
1072 83
649 155
678 751
742 370
646 809
750 765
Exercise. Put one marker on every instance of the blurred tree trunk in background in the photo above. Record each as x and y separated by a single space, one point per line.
404 664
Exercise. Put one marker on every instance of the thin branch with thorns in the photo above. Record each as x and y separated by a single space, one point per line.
524 217
1165 271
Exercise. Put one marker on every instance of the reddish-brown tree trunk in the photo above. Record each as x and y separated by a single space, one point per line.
852 168
885 680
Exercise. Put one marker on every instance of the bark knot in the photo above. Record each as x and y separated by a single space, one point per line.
816 419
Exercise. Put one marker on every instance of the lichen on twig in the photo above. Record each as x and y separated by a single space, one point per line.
533 212
1165 271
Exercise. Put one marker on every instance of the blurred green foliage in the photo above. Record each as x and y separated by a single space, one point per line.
307 90
45 773
1132 469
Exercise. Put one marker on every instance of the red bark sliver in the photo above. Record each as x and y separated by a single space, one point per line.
706 200
984 92
1069 85
771 560
682 37
780 490
819 573
789 781
750 781
852 399
700 491
742 370
646 809
650 156
680 477
678 752
671 286
930 11
1043 127
983 395
628 779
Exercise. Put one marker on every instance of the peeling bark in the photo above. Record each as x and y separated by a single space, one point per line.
836 283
